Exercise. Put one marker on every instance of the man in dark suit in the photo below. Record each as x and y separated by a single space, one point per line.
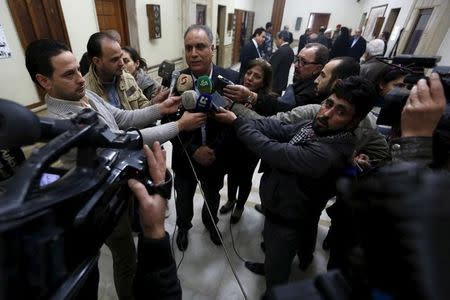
358 45
205 146
281 62
251 50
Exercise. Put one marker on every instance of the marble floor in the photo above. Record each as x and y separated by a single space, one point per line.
204 271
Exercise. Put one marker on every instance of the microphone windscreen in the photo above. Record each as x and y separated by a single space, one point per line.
184 83
204 85
189 100
18 125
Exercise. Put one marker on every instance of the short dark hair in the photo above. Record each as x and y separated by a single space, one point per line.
347 67
94 45
268 25
322 52
284 35
135 56
258 31
205 28
358 91
38 57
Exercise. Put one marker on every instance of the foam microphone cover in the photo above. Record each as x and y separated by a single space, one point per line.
184 83
189 100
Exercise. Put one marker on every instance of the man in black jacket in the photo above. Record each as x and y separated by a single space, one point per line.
252 49
310 61
357 45
205 146
281 62
303 163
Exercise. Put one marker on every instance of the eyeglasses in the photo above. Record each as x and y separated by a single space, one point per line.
301 61
338 108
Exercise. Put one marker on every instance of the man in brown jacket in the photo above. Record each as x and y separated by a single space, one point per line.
106 77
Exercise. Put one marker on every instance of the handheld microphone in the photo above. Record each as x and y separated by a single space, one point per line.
204 85
192 102
184 83
165 71
175 75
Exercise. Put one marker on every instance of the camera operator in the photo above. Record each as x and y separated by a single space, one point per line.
156 274
52 65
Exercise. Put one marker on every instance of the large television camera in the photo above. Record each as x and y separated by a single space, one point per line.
415 66
53 220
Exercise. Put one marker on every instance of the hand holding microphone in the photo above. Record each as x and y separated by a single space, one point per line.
239 93
190 121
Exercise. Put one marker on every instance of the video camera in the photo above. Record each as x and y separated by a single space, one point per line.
51 230
395 100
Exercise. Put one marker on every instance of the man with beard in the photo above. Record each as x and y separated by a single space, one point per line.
106 76
368 139
303 162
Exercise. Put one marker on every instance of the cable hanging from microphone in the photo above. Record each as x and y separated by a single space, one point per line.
227 255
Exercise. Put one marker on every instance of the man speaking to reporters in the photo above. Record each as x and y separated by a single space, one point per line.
303 161
205 146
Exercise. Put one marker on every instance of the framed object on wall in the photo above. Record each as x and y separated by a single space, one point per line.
154 21
298 24
200 14
375 13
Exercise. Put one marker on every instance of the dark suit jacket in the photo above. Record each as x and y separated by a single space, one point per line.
248 53
216 133
281 62
358 48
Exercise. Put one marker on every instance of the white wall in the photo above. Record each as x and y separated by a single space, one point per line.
16 84
444 50
81 21
170 45
263 13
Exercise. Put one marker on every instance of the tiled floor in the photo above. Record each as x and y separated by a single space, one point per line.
204 272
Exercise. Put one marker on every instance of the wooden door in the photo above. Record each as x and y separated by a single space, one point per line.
277 14
319 20
239 14
112 14
221 17
38 19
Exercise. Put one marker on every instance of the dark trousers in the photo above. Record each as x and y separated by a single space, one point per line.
123 251
240 176
211 179
282 242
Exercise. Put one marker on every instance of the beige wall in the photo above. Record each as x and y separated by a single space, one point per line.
15 83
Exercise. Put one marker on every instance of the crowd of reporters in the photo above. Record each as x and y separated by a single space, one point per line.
231 142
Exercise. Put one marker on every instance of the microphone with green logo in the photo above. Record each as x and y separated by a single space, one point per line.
204 101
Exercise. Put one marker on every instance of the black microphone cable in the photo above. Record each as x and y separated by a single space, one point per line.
227 255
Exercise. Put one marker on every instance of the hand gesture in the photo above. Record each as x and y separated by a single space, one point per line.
190 121
152 208
424 108
204 155
224 116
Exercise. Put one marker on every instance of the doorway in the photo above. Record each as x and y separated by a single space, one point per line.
316 20
392 18
221 17
112 14
243 31
419 27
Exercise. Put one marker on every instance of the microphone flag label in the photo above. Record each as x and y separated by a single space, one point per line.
203 103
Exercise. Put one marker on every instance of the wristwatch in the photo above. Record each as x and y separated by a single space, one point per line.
163 189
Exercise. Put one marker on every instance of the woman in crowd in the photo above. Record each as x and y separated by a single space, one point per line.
136 65
256 90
